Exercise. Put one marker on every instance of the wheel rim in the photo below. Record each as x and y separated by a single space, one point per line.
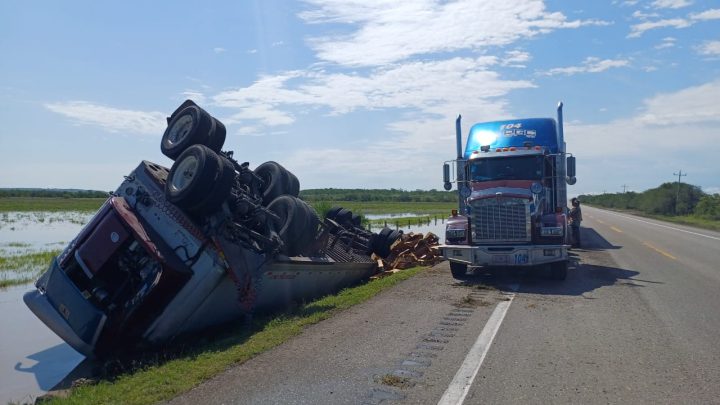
184 174
180 129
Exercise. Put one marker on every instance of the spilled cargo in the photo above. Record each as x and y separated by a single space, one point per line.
205 242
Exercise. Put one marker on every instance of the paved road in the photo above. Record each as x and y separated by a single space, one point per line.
637 321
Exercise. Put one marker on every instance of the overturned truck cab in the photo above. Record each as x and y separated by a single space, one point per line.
512 194
207 241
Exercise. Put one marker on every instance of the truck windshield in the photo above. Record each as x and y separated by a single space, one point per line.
507 168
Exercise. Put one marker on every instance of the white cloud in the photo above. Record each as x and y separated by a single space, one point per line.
670 3
434 88
711 14
111 119
644 16
672 130
667 42
515 59
277 43
589 65
637 30
252 51
196 96
693 105
219 50
709 48
392 31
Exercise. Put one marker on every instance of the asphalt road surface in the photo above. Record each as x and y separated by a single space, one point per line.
637 321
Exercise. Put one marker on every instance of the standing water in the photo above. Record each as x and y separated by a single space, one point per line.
32 358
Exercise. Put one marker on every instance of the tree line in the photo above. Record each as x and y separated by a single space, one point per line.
51 193
668 199
384 195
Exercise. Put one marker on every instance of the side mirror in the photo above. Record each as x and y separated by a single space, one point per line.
446 177
571 180
571 166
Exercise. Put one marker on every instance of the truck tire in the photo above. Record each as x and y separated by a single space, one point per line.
188 127
356 220
344 217
217 135
558 270
305 237
292 185
275 180
459 270
332 212
192 177
296 223
221 189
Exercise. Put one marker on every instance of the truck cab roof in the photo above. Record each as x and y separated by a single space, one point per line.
501 136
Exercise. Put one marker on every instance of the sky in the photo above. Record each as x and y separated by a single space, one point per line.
359 93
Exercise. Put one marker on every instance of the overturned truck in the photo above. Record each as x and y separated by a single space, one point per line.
205 242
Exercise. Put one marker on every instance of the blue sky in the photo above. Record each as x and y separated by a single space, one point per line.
359 94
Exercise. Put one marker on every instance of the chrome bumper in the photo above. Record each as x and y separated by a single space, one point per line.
520 255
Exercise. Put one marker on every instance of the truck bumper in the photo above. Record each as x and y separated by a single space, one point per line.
521 255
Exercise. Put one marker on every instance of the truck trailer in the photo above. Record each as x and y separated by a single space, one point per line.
512 211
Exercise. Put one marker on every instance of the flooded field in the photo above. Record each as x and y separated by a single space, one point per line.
29 240
32 358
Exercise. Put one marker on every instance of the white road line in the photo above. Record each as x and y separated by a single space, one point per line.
461 383
663 226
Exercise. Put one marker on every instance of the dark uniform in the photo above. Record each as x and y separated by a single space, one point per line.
575 220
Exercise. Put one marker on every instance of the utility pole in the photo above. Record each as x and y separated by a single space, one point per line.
624 186
680 175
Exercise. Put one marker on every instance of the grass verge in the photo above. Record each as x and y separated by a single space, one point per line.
161 382
8 204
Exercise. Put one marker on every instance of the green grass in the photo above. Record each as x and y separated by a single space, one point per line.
21 269
690 220
376 207
49 204
161 382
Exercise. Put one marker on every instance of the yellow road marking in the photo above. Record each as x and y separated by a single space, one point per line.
601 222
666 254
616 229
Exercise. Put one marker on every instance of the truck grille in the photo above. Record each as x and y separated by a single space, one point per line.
500 220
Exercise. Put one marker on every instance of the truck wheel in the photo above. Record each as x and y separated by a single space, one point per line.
217 137
292 186
274 178
332 212
294 223
343 217
189 126
305 236
558 270
192 177
356 220
221 189
459 270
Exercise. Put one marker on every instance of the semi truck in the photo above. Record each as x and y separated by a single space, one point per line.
512 211
206 241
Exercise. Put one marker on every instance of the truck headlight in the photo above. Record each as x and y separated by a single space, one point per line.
551 231
455 234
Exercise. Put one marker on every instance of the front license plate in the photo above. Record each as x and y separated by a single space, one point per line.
500 259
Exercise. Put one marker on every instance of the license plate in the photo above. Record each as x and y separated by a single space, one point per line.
500 259
521 258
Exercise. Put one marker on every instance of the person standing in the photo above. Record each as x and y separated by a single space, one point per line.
575 220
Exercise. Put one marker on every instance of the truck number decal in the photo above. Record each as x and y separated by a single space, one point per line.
521 258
